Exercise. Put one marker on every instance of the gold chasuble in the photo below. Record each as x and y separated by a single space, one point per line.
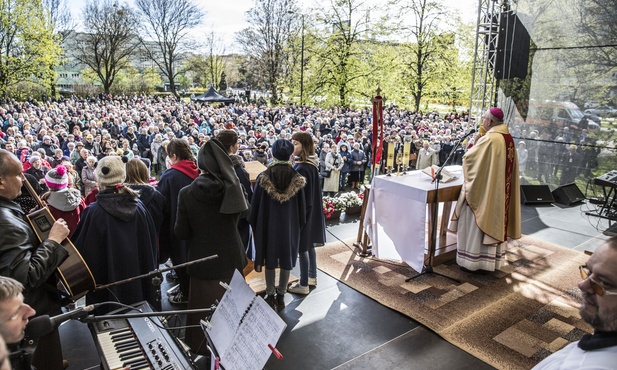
491 186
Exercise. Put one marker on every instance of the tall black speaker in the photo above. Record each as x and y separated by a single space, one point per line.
568 194
536 194
512 59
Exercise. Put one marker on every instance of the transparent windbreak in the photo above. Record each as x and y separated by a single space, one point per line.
562 107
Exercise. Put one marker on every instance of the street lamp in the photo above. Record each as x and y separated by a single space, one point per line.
301 60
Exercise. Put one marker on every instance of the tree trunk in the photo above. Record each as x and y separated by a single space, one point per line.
172 86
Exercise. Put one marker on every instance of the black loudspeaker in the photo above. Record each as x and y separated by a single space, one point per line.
568 194
512 59
536 194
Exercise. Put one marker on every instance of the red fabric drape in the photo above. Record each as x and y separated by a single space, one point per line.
377 129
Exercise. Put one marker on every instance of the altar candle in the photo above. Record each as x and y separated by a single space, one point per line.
390 157
406 150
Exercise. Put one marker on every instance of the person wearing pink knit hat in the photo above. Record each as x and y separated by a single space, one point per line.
62 201
488 209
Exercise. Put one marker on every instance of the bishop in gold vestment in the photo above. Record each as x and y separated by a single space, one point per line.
488 211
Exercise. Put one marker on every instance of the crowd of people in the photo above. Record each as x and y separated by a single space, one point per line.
82 131
137 181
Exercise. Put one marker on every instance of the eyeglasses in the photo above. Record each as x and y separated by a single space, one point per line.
597 287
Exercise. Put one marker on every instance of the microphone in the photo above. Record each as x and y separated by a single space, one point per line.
43 325
473 131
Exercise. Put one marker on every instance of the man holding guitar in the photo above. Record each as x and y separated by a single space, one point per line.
26 260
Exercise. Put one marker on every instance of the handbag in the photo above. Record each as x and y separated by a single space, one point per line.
412 156
325 173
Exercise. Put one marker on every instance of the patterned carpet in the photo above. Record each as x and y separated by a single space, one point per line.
511 318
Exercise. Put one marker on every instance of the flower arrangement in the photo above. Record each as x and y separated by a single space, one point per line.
351 199
331 204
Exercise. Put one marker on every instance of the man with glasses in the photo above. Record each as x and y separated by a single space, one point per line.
26 260
598 309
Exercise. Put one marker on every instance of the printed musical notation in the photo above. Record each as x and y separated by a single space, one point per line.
243 326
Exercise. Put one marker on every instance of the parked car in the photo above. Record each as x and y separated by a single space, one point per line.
559 114
603 110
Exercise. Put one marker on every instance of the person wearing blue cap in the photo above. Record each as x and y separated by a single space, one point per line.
278 213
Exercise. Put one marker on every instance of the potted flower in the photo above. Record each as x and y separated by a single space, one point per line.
352 201
332 207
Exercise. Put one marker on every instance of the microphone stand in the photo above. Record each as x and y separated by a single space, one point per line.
92 318
428 267
157 280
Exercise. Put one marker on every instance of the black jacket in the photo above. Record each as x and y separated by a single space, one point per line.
26 260
208 231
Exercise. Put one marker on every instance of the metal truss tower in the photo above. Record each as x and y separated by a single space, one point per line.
483 83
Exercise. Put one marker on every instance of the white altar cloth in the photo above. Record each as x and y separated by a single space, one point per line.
396 214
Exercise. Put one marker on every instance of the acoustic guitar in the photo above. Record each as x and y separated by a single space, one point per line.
74 276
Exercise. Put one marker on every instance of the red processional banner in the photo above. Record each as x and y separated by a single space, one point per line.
377 139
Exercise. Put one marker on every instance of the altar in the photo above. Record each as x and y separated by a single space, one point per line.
397 212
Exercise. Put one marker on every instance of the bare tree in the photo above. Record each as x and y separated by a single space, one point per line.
214 59
59 15
165 36
111 39
60 23
265 41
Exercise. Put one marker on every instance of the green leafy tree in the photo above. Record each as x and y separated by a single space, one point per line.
341 57
424 52
28 46
194 67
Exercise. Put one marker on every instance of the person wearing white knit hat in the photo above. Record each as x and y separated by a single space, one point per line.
117 237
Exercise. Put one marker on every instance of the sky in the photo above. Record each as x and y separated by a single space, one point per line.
228 16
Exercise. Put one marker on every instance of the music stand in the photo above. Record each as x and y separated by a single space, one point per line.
428 267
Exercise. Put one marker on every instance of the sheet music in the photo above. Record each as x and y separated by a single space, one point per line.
243 326
249 348
228 314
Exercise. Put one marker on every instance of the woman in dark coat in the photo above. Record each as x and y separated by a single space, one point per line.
346 155
356 166
229 139
117 238
277 216
314 232
182 173
208 213
137 179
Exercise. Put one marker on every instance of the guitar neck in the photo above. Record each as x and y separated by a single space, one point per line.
33 193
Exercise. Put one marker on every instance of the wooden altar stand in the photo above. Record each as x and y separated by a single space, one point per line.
443 244
254 168
400 215
363 241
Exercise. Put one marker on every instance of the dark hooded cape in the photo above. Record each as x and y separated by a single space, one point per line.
117 239
278 213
